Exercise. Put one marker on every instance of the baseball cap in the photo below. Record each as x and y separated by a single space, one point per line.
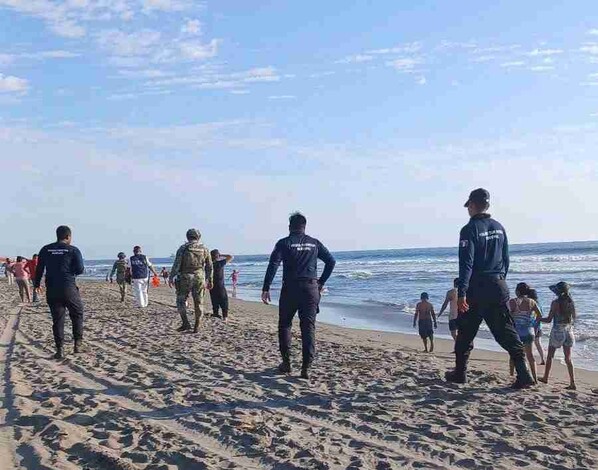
479 196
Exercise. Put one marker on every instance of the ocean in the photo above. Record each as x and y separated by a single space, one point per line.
378 289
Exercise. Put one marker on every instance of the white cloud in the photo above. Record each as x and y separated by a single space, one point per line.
421 81
282 97
122 44
401 49
10 84
239 92
544 52
199 51
590 48
593 32
514 63
541 68
404 64
260 74
166 5
355 59
192 27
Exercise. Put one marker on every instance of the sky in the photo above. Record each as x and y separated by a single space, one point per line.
133 120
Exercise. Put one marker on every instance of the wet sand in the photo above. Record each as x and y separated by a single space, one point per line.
147 397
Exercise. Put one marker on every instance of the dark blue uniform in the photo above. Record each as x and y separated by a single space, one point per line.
483 267
300 292
62 263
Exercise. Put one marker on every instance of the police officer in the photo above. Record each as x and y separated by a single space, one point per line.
62 262
482 290
193 269
301 288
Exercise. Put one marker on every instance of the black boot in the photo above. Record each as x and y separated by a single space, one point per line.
79 348
285 365
455 377
524 378
184 327
305 373
59 353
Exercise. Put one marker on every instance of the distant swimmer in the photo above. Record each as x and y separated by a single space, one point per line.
482 290
562 315
140 273
235 280
426 321
20 271
301 289
218 294
62 262
120 268
524 311
451 300
193 268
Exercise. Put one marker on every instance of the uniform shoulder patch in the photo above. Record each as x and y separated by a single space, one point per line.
464 243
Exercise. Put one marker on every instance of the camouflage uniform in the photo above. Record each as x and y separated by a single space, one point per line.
193 268
120 268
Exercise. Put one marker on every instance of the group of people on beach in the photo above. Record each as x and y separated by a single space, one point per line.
480 293
527 316
21 272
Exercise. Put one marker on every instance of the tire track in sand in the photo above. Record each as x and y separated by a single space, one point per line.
7 343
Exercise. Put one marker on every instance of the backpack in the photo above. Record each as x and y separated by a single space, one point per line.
193 259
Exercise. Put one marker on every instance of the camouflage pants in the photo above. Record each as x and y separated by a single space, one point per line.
122 286
195 285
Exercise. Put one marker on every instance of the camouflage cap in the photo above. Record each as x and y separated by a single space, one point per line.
193 234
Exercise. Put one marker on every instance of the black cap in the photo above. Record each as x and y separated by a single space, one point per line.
479 196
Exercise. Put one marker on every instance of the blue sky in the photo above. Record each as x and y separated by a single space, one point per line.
132 120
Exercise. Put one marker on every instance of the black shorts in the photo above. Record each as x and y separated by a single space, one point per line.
426 329
454 324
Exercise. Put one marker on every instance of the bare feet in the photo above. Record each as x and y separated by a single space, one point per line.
543 380
572 387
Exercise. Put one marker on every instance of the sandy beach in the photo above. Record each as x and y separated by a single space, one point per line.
147 397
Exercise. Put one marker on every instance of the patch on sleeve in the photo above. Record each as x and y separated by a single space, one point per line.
464 243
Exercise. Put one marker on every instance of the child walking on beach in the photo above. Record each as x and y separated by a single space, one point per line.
426 320
562 314
524 311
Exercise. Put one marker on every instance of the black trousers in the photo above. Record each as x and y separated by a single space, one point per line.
302 297
59 301
219 298
488 302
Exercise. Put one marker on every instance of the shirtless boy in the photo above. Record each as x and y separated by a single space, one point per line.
451 299
426 319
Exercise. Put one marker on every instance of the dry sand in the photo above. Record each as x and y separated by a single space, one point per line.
148 397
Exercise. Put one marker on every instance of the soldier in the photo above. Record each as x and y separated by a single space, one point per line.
301 289
193 268
120 268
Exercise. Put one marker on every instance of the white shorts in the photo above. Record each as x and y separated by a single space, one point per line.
561 335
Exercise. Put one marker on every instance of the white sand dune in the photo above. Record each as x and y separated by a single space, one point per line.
147 397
